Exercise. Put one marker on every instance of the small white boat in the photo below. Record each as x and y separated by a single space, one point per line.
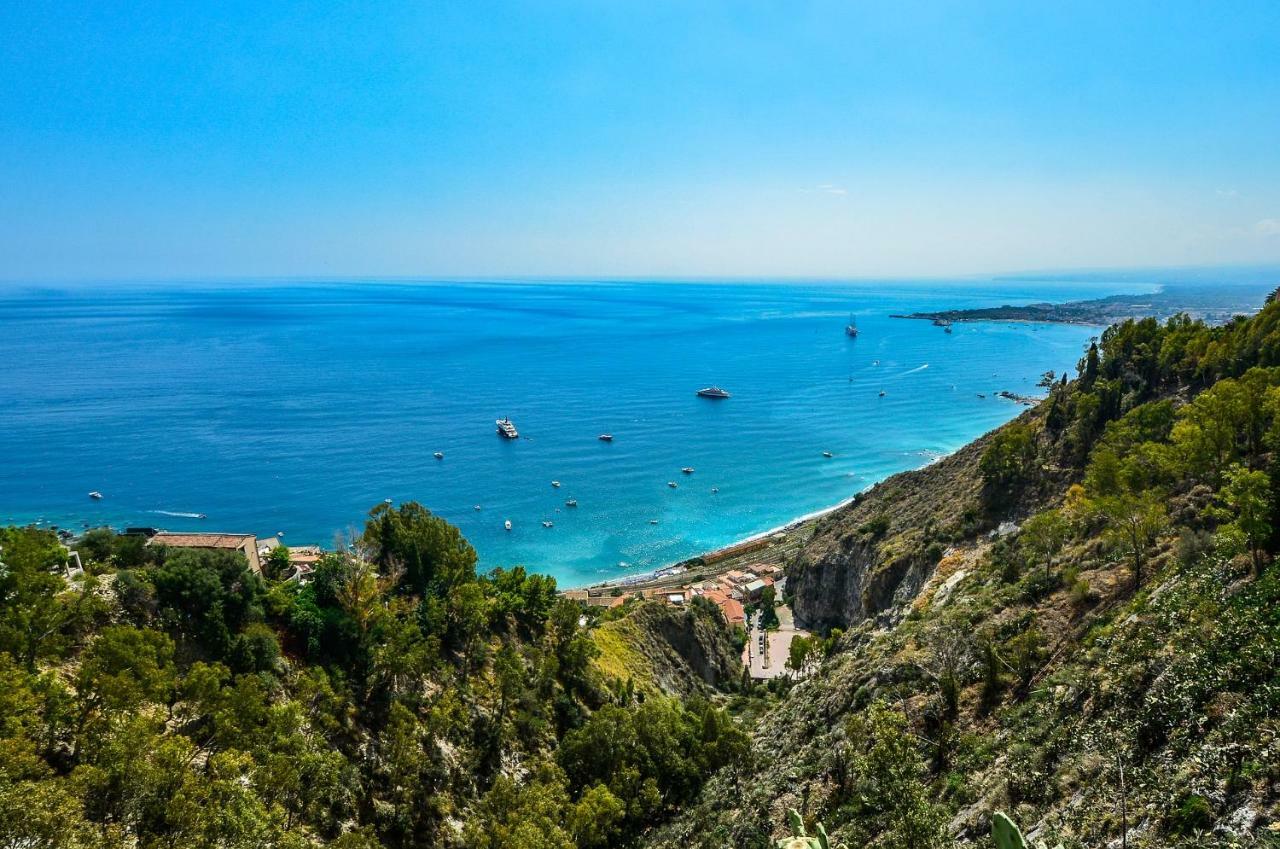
827 454
882 393
506 429
605 437
556 484
672 484
507 524
477 507
572 502
386 501
712 392
653 521
714 490
95 495
439 455
546 523
688 470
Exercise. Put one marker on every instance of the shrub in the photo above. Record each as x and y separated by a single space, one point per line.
1192 814
876 527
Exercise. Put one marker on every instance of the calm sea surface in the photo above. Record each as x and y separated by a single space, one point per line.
295 409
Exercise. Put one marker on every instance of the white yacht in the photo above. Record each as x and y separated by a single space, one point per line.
712 392
507 429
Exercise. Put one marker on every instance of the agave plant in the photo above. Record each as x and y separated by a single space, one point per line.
1007 835
801 839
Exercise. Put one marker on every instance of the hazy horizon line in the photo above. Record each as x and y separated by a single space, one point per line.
1136 274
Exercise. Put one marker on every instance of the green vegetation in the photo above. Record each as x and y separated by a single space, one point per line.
174 698
1096 654
801 839
1102 662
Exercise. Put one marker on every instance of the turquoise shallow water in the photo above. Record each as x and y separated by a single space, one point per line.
296 408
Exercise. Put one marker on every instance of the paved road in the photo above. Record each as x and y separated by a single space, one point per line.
772 661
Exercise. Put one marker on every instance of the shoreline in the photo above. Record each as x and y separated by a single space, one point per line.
726 557
724 552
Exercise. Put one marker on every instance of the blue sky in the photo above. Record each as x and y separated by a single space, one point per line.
757 139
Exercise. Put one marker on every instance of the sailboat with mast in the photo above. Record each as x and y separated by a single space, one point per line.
851 329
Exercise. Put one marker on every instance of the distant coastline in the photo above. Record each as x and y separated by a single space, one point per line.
1212 304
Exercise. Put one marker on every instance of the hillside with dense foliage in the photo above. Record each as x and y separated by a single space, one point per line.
173 698
1075 620
1088 635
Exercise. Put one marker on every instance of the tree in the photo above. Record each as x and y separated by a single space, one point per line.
1248 497
204 597
769 607
39 613
803 653
595 819
948 662
1133 523
1089 370
121 669
529 815
277 562
1043 535
893 802
1004 463
432 553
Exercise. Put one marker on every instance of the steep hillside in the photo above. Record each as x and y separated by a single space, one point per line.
657 648
875 553
1102 666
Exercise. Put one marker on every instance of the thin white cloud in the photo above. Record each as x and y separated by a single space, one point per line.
1267 227
1227 193
827 189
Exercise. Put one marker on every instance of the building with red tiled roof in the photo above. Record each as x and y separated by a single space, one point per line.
730 607
246 544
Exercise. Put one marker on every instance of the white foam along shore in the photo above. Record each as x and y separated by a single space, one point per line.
790 524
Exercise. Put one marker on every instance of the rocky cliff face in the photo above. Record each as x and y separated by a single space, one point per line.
677 651
694 645
875 554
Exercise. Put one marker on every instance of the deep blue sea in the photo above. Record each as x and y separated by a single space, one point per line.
296 408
